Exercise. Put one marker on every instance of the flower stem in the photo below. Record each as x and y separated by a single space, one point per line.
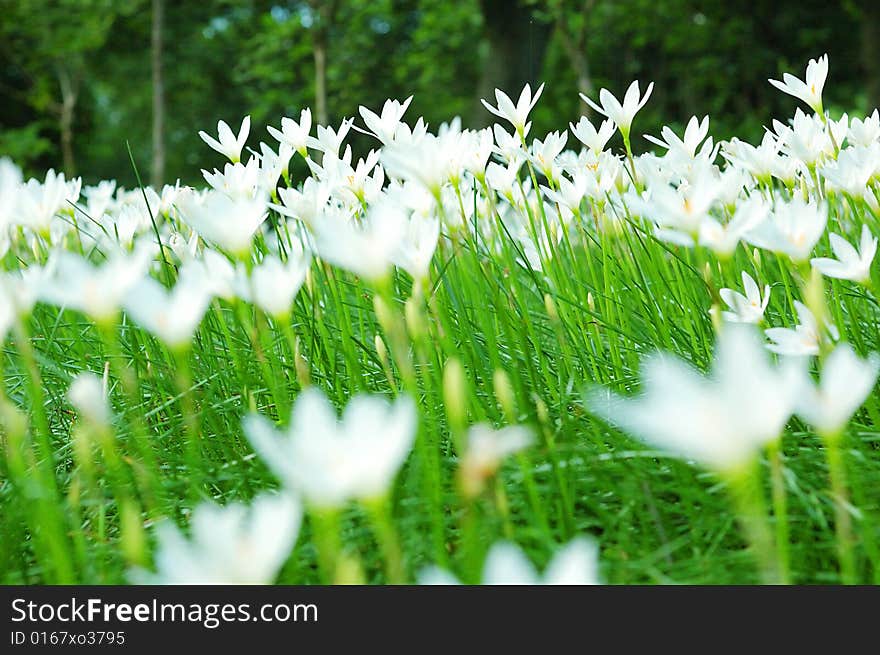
745 491
780 511
842 519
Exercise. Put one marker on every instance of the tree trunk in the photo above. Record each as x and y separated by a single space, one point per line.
158 168
319 49
517 43
574 50
325 14
66 117
870 46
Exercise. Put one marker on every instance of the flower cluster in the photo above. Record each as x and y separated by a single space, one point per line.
785 217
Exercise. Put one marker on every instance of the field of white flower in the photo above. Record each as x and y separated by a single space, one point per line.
471 356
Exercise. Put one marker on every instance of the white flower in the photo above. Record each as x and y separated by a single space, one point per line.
808 140
517 115
229 145
172 316
811 90
365 249
331 461
23 288
272 165
235 544
803 339
329 141
577 563
415 250
723 239
305 205
39 202
215 271
97 291
544 153
679 212
761 161
485 450
294 134
853 170
793 228
747 308
721 421
845 383
428 161
88 396
594 139
865 132
694 134
621 114
236 180
273 284
850 264
384 127
228 222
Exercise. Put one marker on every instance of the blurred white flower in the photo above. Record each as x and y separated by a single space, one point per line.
748 308
485 449
721 421
415 250
809 139
306 204
803 339
89 397
365 248
793 228
10 181
228 545
97 291
724 238
845 383
273 284
228 222
332 461
850 264
576 563
854 170
214 270
171 316
428 161
809 91
229 145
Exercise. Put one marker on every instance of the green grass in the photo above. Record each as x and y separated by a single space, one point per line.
78 510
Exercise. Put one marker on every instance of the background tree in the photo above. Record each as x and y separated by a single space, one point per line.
50 45
79 78
158 168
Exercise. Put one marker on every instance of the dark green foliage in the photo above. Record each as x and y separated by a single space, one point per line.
224 59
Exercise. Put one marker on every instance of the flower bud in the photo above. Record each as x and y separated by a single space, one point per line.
550 307
504 394
455 393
